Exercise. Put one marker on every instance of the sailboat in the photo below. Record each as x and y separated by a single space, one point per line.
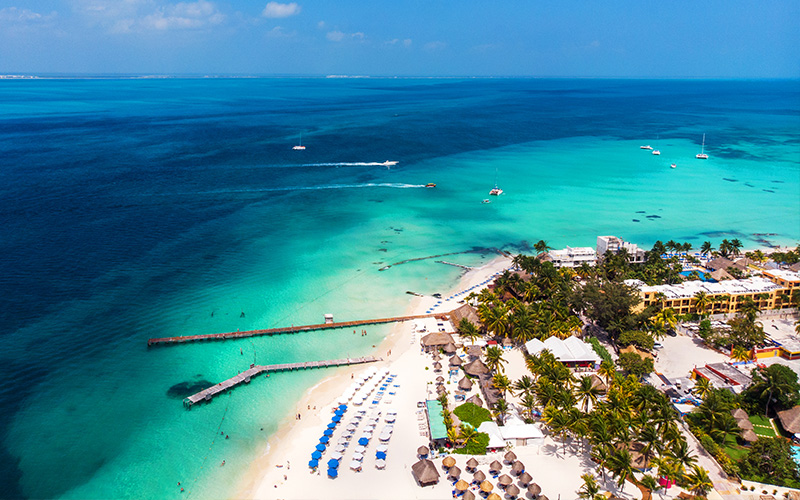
299 146
702 155
496 191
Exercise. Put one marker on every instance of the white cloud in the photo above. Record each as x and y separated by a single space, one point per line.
281 32
397 41
321 24
183 15
437 45
136 16
278 10
17 16
338 36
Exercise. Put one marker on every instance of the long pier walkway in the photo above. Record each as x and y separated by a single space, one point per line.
287 329
247 375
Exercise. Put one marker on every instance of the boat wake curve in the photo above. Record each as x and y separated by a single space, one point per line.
393 185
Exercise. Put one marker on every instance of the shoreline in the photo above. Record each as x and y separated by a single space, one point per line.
267 471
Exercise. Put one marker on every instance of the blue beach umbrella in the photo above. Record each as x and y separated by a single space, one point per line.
342 407
336 418
333 464
316 455
339 413
313 463
333 472
363 441
380 454
328 432
331 425
324 439
320 447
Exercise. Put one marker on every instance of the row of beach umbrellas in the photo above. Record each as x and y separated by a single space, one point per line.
479 478
320 448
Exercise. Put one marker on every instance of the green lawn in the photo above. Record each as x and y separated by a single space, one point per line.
733 449
762 426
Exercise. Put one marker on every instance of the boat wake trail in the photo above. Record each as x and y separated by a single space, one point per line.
393 185
352 164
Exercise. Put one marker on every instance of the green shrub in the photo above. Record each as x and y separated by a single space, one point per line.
599 349
472 414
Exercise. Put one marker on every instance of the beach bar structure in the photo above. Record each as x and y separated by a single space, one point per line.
247 375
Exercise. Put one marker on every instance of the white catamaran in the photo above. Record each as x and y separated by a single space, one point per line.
702 155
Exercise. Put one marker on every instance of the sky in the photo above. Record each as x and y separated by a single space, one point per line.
561 38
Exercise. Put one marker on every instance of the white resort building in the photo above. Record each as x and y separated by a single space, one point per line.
573 256
613 244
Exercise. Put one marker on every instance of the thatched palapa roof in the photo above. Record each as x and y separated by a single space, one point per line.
719 263
423 450
456 361
525 478
790 419
454 472
437 339
425 472
745 424
510 457
534 489
476 368
474 351
496 466
749 436
472 463
738 413
465 384
479 476
448 461
512 490
449 348
465 311
505 480
476 400
468 495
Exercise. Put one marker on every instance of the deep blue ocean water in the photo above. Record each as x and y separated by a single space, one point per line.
151 207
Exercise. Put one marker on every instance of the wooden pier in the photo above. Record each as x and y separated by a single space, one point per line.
248 375
289 329
468 268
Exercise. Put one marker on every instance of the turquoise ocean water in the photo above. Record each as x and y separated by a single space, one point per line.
139 208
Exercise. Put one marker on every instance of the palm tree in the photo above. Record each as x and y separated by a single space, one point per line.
706 248
586 392
664 320
680 453
468 434
701 303
702 387
468 330
725 248
558 421
501 410
601 454
767 383
650 483
735 247
651 439
524 386
528 403
541 246
607 370
494 358
501 383
699 481
495 319
739 353
621 466
590 489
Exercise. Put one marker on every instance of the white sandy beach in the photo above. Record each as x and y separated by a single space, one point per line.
282 472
